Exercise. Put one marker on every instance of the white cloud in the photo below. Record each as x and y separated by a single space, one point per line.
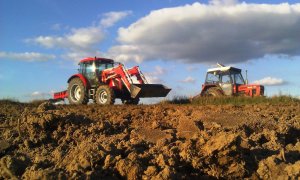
159 70
126 53
154 77
223 2
208 33
35 93
270 81
80 54
80 42
111 18
40 95
78 39
189 79
26 56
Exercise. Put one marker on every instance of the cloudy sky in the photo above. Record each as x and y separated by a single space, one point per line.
173 41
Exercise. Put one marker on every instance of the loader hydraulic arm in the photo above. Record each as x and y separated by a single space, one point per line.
135 71
118 72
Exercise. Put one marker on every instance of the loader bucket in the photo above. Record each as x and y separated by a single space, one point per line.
149 90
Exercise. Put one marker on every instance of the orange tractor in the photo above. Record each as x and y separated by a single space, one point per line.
103 80
228 81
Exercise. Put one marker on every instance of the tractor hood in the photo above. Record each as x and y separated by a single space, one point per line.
253 89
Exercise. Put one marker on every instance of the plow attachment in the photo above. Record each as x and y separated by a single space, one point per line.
149 90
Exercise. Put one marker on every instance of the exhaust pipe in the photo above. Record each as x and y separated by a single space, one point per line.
246 76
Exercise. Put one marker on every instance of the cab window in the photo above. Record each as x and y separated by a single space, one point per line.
226 78
239 79
90 68
81 68
102 66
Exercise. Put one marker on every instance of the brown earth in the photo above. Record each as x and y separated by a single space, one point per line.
149 141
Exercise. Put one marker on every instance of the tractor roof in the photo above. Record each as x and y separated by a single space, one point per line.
223 69
96 59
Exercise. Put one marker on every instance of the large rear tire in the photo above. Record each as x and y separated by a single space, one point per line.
133 101
77 93
213 92
104 95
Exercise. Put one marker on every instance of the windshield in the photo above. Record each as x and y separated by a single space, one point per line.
92 67
101 66
212 78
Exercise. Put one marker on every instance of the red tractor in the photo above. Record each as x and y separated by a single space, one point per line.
103 80
228 81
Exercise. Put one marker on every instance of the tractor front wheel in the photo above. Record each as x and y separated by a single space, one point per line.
133 101
214 92
104 95
77 92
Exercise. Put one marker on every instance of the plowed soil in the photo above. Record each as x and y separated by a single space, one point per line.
149 141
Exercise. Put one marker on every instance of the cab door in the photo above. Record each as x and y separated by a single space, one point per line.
226 84
90 73
238 81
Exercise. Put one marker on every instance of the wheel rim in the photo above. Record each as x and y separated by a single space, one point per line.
103 97
75 92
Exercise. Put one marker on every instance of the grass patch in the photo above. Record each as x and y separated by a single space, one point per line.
177 100
9 101
232 100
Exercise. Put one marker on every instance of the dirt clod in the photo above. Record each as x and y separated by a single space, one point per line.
149 141
45 106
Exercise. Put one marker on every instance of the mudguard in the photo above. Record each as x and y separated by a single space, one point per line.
83 79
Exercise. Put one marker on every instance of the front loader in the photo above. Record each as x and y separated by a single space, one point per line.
103 80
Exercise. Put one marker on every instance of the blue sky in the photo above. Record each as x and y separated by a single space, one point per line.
173 41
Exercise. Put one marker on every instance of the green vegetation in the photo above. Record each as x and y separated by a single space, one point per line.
281 99
232 100
9 101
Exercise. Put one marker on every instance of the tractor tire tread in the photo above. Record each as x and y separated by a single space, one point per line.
214 91
84 99
111 95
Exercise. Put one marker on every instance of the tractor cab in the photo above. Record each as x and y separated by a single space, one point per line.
92 68
227 78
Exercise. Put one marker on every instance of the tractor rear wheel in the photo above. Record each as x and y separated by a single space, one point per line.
215 92
133 101
105 95
77 93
